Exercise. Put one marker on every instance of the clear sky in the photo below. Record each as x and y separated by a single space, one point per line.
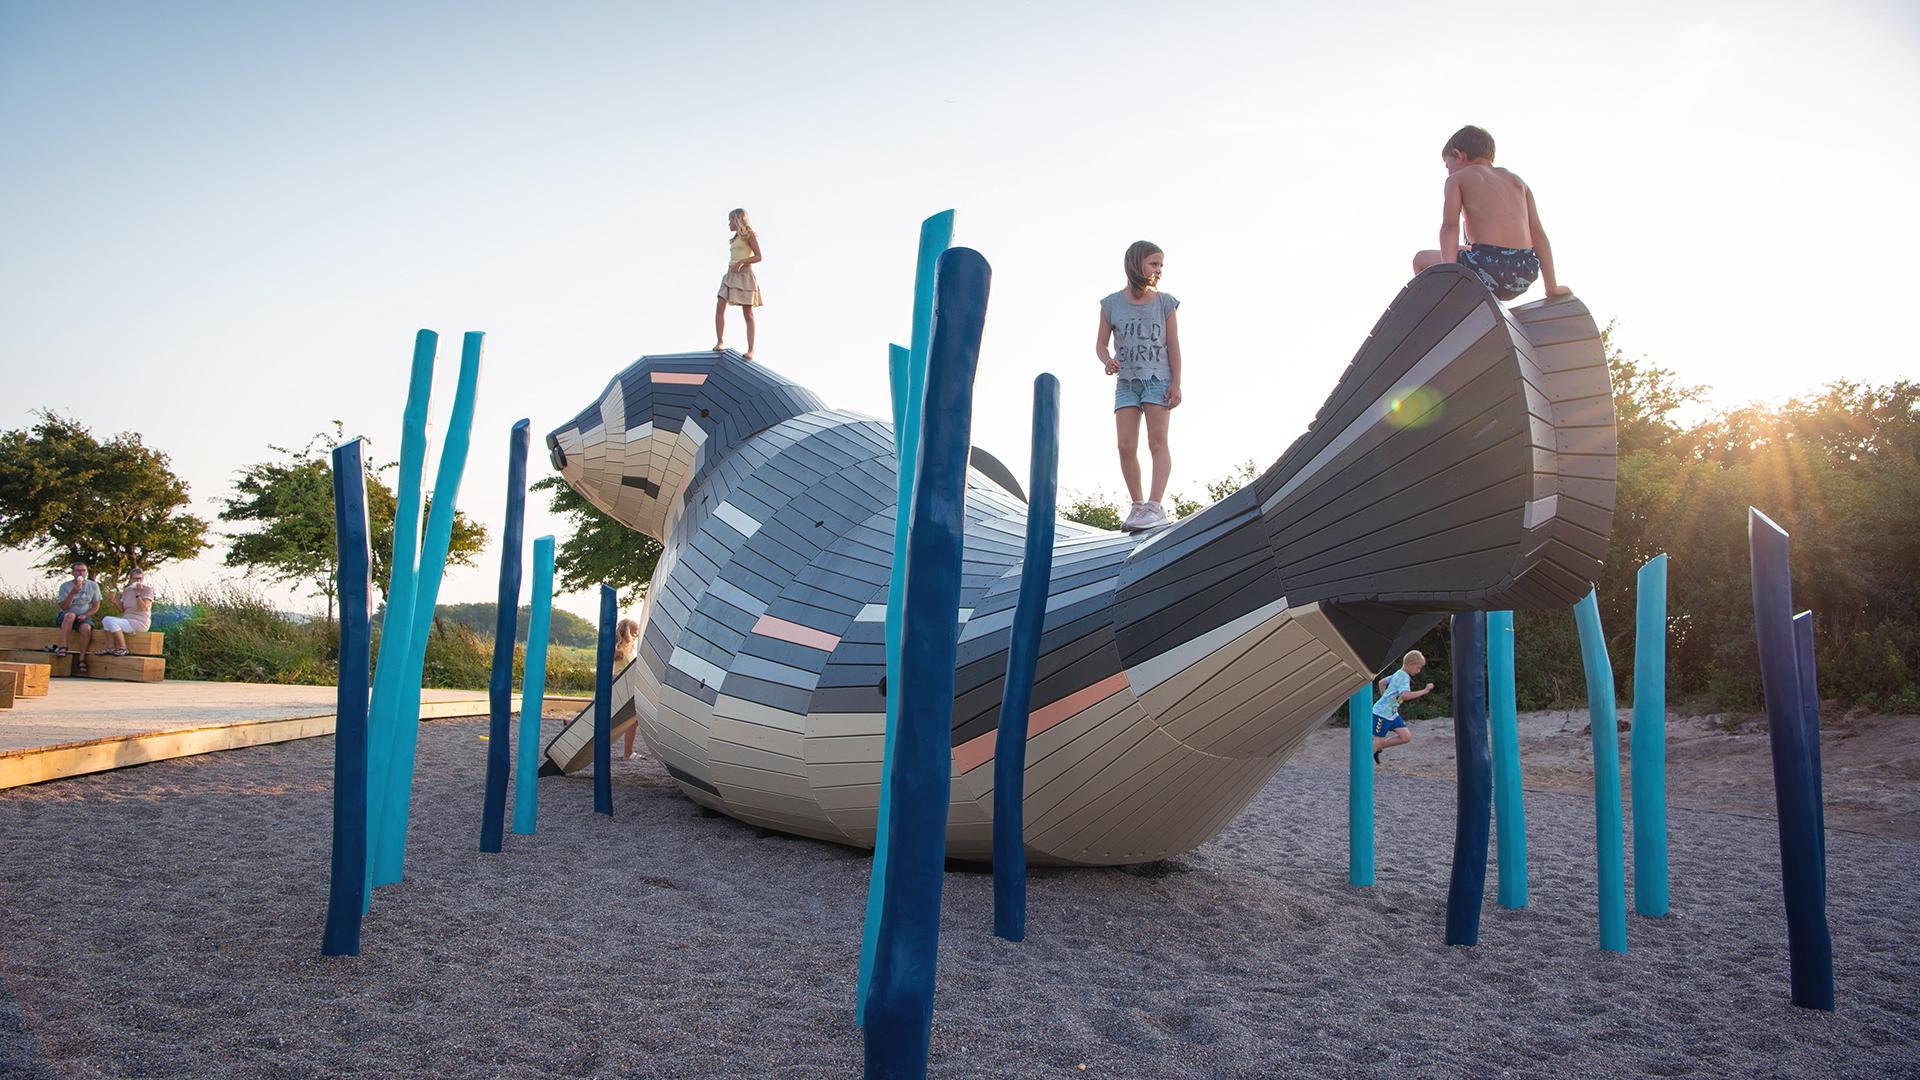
223 223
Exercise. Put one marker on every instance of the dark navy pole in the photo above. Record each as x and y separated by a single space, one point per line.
353 571
1473 750
1023 657
899 1017
1796 781
603 706
493 816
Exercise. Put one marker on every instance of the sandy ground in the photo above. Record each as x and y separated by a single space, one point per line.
165 921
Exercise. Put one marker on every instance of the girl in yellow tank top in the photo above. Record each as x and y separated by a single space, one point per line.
739 287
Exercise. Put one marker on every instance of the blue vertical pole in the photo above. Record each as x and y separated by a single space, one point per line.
353 561
907 374
1509 805
396 627
900 997
1810 715
1473 772
533 689
1360 787
1796 776
390 851
603 705
1609 838
1648 742
493 814
1023 657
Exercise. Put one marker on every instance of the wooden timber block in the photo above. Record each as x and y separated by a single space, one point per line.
31 679
127 668
57 666
39 637
6 693
123 668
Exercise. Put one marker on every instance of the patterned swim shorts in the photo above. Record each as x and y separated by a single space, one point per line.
1508 272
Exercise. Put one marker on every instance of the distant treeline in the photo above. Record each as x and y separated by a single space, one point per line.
1839 469
567 628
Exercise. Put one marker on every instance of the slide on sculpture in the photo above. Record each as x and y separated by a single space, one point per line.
1464 461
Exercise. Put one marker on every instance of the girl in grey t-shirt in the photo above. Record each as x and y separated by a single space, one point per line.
1138 320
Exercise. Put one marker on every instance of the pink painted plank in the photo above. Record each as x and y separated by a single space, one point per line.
978 750
686 378
768 626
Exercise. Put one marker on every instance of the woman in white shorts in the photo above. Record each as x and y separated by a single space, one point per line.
136 612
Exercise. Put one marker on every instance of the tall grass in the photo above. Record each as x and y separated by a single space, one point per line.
234 635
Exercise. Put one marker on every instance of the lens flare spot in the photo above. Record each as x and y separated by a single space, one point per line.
1414 408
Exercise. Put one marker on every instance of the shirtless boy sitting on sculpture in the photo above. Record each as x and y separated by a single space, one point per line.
1506 245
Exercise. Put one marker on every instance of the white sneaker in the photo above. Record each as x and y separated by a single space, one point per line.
1153 515
1136 518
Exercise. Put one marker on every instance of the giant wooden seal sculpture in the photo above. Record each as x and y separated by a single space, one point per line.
1464 461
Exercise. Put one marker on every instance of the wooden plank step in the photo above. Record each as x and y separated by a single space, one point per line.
39 637
30 680
123 668
6 693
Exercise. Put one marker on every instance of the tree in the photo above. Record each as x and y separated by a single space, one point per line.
113 505
601 550
292 499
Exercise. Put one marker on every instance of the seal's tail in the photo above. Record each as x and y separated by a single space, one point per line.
1465 460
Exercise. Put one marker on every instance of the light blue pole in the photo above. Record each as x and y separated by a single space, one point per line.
1509 805
390 855
533 689
899 1022
1609 839
908 378
1360 786
1649 740
396 626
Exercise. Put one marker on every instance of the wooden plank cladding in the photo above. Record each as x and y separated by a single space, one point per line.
1464 460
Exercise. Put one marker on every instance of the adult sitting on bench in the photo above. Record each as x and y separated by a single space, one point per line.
136 611
79 599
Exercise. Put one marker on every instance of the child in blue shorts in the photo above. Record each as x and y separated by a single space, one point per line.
1138 323
1388 728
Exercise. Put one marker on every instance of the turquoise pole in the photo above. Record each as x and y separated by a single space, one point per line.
1649 741
1360 786
396 626
1509 805
908 378
1609 841
533 689
390 857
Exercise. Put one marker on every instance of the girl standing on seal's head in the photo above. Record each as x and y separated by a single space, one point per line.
739 287
1146 358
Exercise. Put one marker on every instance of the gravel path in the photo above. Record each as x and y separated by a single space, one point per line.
165 921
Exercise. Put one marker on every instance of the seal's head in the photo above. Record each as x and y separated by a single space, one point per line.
637 451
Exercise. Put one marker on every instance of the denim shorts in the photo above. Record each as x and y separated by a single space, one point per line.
1133 393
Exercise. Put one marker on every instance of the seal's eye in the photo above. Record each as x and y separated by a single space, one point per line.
703 414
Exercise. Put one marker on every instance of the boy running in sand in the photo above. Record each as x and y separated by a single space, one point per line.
1506 245
1388 728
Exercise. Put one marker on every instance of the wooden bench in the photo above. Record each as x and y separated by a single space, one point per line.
143 662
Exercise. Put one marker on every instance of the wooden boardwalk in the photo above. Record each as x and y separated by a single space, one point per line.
86 725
